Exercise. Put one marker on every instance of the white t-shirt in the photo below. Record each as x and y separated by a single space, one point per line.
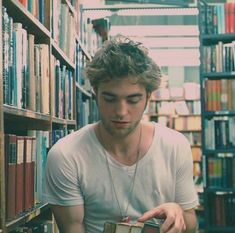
77 174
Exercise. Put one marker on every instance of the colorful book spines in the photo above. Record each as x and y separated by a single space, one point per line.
219 95
25 158
218 18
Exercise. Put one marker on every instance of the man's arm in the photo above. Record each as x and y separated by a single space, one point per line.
190 220
69 218
176 219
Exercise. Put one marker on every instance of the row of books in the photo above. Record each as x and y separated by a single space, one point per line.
25 70
221 171
180 123
40 9
89 37
87 111
63 27
189 123
220 95
218 18
220 133
38 226
93 31
219 57
188 91
222 212
63 20
59 133
62 94
194 138
25 159
178 107
80 63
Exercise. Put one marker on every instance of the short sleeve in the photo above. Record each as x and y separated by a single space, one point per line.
62 186
186 194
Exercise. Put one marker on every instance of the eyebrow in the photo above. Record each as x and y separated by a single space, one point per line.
129 96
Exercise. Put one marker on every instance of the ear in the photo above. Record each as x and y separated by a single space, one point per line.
95 91
148 95
147 98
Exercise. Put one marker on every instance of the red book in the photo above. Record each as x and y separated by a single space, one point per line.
19 174
10 172
24 3
230 16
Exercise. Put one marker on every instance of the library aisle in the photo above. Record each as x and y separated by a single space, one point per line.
44 47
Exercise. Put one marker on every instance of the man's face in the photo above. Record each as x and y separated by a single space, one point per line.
121 104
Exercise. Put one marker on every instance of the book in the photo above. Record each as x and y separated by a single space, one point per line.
19 174
150 227
109 227
31 85
27 172
10 165
136 228
123 227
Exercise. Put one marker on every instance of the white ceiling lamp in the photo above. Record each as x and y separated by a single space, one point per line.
155 30
168 42
157 12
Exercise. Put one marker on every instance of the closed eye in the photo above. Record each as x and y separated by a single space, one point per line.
134 99
109 98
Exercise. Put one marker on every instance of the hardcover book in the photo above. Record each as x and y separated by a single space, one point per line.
121 227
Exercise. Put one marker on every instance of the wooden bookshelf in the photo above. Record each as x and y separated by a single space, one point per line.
24 123
217 78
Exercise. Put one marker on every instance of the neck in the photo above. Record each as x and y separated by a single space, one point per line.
124 150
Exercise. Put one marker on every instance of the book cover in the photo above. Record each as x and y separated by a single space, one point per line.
19 174
27 172
31 103
10 164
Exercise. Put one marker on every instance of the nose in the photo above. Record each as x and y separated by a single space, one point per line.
121 108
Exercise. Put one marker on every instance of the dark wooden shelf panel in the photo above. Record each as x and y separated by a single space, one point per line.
218 75
84 50
214 38
219 190
209 114
225 229
85 92
60 54
56 120
16 119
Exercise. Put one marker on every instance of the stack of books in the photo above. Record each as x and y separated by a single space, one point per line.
147 227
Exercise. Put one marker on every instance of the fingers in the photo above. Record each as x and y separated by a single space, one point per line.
173 225
153 213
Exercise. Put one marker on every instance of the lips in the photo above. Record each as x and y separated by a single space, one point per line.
120 124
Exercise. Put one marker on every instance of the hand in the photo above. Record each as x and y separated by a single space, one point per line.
173 215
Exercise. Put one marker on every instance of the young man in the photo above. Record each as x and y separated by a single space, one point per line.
120 168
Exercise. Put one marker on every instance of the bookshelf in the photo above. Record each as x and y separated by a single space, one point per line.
42 100
175 108
180 108
217 79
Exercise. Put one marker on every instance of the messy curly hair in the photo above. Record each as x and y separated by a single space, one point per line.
120 58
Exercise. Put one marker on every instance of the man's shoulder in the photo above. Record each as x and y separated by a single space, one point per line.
75 139
169 135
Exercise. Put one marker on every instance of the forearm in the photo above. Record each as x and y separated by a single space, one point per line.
71 228
69 218
190 221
